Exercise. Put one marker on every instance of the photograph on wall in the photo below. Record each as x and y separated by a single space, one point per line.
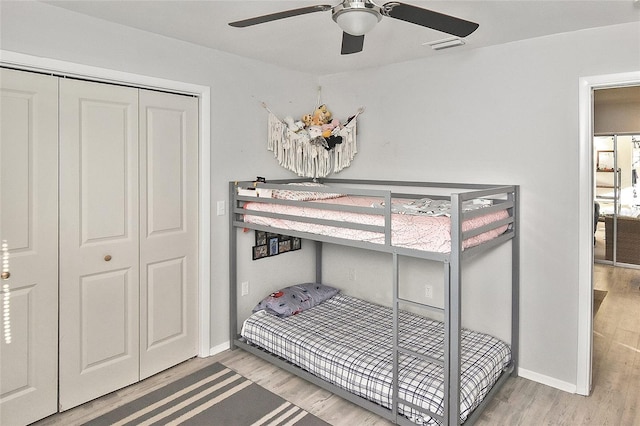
260 251
261 238
296 243
273 246
284 246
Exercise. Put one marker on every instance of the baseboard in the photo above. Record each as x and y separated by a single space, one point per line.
548 381
219 348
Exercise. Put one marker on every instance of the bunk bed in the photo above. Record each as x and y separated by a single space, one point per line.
416 370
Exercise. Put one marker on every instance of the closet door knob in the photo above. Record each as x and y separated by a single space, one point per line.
107 258
5 275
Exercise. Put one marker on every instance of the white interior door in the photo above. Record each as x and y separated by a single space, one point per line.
99 240
168 230
29 231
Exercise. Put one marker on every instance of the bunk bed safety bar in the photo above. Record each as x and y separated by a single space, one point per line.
327 222
485 228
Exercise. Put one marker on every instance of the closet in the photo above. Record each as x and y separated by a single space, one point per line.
98 221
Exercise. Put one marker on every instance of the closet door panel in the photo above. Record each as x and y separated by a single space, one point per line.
165 293
29 252
169 230
103 179
17 165
99 239
104 337
165 169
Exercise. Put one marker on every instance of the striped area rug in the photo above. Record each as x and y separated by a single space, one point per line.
214 395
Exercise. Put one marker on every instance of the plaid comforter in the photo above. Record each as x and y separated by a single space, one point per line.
348 342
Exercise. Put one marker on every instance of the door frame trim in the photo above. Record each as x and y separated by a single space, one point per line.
26 62
585 219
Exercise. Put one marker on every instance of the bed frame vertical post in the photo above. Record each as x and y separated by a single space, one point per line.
447 341
515 281
387 219
318 261
455 303
233 269
396 338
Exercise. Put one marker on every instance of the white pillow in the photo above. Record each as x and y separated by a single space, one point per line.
287 194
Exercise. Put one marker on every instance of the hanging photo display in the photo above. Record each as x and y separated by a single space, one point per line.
269 244
316 144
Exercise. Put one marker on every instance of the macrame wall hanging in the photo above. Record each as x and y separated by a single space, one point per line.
314 146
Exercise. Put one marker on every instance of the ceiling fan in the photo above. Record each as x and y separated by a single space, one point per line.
357 17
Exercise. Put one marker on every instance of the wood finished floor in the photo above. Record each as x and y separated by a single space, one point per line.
615 399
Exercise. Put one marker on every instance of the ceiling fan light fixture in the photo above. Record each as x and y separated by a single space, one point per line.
356 17
357 22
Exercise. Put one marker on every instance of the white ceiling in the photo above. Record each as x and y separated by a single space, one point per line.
311 43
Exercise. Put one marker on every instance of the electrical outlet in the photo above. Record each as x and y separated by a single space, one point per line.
220 208
351 274
245 288
428 291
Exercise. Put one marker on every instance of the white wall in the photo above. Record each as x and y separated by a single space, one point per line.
504 114
238 85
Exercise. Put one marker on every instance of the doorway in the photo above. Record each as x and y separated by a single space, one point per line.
586 216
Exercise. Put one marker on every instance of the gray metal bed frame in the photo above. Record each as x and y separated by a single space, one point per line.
507 196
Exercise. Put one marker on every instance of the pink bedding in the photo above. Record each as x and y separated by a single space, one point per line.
418 232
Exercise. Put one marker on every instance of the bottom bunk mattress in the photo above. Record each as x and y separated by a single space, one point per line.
348 342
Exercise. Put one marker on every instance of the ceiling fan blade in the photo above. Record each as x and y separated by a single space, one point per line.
430 19
351 44
279 15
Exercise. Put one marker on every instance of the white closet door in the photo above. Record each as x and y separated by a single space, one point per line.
29 228
99 239
168 230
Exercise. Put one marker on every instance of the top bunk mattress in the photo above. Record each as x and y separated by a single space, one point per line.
348 342
414 231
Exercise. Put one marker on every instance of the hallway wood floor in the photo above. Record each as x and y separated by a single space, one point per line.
615 399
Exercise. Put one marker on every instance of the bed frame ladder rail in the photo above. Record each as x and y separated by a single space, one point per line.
423 357
421 410
424 306
398 349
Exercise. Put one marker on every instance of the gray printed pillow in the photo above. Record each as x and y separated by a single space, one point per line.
295 299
